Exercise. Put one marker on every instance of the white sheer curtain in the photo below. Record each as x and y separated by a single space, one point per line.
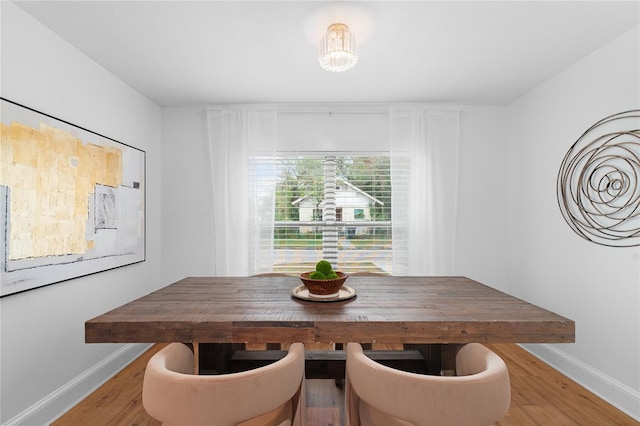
424 176
235 135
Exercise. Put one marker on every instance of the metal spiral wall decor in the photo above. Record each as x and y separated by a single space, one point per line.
598 184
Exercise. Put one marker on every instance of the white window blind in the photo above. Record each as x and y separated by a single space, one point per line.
334 206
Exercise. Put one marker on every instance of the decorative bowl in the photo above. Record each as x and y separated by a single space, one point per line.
323 287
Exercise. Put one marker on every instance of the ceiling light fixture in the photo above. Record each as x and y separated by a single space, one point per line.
338 50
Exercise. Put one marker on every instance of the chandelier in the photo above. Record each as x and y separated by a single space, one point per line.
338 50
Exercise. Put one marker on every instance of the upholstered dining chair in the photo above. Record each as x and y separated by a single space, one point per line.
377 395
266 396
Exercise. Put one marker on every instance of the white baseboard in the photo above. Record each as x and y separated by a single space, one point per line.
58 402
615 393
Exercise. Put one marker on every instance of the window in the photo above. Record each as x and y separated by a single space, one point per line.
335 207
423 147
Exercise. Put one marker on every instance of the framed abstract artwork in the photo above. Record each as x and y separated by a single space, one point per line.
72 202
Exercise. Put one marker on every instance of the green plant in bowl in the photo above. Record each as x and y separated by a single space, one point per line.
317 275
324 267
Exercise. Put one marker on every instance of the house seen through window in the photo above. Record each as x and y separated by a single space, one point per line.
335 207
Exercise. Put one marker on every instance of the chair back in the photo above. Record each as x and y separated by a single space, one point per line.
377 395
265 396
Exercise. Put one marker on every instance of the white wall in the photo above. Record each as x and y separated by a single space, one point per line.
187 228
45 364
550 265
481 245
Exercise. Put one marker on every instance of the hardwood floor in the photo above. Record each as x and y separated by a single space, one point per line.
540 396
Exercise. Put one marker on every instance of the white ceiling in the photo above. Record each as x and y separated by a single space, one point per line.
180 53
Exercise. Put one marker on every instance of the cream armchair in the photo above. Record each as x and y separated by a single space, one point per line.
377 395
265 396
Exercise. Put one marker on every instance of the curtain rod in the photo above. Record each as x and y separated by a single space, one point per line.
330 112
339 109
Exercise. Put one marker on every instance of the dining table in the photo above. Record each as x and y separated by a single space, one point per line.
432 314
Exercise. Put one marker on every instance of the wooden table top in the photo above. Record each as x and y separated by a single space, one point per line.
386 309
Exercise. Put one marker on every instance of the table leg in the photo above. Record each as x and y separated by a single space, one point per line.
431 354
440 359
196 358
215 358
448 359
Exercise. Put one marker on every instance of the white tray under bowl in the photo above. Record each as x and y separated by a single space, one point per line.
344 293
